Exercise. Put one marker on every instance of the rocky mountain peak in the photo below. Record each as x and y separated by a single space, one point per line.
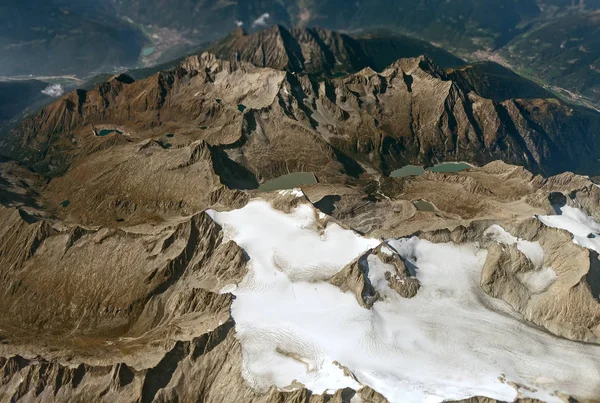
422 65
307 50
411 112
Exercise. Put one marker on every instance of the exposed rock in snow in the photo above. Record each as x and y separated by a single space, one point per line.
532 250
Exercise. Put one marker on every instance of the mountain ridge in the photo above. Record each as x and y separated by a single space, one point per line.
412 111
321 52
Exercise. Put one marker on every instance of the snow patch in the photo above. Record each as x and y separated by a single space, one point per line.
538 281
533 250
356 399
377 270
386 250
53 90
261 21
229 288
296 192
579 224
291 244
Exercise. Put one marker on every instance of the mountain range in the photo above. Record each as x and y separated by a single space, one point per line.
410 112
220 209
87 38
144 259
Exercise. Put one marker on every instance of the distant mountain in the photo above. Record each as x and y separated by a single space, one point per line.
57 37
564 53
494 81
312 51
323 52
91 37
18 96
510 27
326 53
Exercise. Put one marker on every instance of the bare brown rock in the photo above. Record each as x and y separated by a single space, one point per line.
498 278
555 295
301 50
400 279
353 278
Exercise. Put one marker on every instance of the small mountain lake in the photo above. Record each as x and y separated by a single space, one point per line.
289 181
106 132
407 170
450 167
423 205
415 170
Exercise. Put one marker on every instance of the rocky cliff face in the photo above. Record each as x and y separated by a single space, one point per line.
112 327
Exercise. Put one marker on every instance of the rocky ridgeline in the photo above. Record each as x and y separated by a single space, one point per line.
268 120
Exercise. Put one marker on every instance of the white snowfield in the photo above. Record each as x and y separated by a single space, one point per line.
579 224
451 341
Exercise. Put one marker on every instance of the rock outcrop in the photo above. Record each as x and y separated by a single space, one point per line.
552 292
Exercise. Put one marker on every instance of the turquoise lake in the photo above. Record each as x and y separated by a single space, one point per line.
415 170
289 181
